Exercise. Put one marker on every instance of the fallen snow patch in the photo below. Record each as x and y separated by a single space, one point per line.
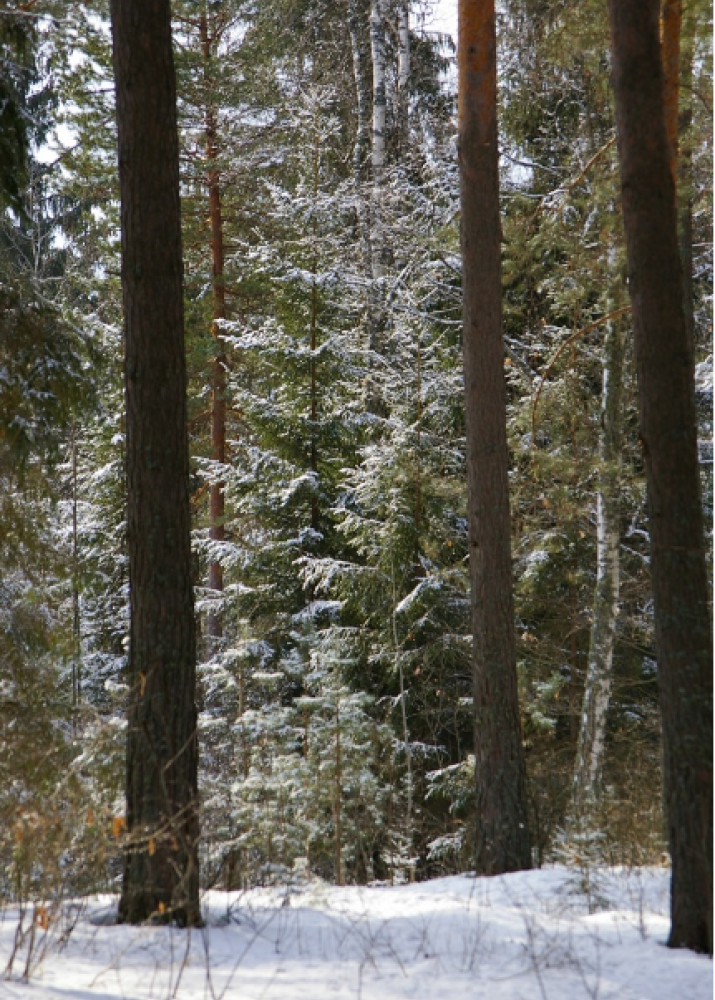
527 936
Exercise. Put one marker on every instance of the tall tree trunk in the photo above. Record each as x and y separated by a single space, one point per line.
400 671
362 143
161 863
597 693
685 168
365 196
672 17
338 798
374 400
502 829
664 359
314 504
379 118
76 619
677 57
217 531
403 74
418 458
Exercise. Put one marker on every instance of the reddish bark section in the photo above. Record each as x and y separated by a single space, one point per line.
502 831
218 369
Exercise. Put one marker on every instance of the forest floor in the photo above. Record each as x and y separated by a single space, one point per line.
552 934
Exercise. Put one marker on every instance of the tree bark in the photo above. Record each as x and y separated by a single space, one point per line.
685 168
664 359
362 137
599 674
671 22
76 616
502 831
338 798
677 57
161 862
314 505
379 125
217 531
403 75
374 399
379 118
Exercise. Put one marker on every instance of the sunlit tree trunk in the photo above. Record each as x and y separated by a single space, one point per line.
502 830
664 359
161 862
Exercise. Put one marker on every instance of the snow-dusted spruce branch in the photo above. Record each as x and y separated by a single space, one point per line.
609 317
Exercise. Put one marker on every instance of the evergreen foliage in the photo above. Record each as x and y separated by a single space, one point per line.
335 713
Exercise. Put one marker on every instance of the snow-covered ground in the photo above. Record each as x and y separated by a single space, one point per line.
530 935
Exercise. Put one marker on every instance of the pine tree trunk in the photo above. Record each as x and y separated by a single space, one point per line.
217 532
677 57
664 361
502 830
597 693
671 22
685 165
161 863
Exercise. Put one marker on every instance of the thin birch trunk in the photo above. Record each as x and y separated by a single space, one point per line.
418 459
314 508
245 755
362 142
364 194
337 803
599 674
403 74
405 724
76 621
379 115
374 402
